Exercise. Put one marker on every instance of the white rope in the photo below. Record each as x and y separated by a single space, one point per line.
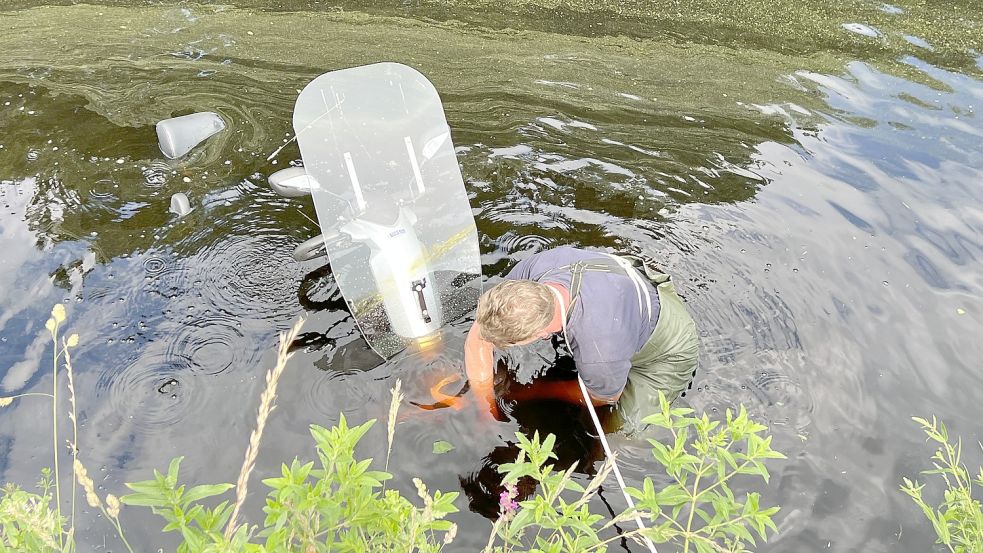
597 425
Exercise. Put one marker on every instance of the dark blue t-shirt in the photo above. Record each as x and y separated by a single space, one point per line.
606 325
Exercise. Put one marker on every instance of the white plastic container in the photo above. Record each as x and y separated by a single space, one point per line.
179 135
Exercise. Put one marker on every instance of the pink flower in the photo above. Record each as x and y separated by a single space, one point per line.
506 501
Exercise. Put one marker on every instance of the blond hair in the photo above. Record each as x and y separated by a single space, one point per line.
514 311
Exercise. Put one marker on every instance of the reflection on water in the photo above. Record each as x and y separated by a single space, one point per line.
808 173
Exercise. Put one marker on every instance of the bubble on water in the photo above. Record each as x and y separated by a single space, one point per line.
33 155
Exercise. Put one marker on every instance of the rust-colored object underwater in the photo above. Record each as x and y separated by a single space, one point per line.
443 400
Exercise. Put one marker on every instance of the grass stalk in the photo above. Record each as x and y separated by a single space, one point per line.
72 415
109 509
266 406
119 529
57 316
397 399
7 400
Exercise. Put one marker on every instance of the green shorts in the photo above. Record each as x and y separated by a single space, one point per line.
665 363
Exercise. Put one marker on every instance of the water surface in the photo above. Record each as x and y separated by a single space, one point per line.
810 174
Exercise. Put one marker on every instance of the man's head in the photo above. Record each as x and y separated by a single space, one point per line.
515 312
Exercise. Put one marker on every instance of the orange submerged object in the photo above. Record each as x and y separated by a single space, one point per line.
443 400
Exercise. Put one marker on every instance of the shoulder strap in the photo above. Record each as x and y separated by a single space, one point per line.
608 264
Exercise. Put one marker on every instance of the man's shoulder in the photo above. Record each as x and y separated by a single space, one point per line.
560 255
543 261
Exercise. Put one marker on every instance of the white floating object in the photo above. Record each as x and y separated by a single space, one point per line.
861 29
180 204
177 136
893 10
292 182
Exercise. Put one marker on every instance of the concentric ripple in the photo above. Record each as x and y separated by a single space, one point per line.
253 277
212 345
532 243
152 392
329 393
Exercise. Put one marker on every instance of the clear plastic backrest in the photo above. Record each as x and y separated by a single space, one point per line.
375 141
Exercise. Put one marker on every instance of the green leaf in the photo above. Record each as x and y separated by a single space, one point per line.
145 486
702 546
522 519
144 500
440 447
660 452
727 456
739 531
205 490
172 471
672 495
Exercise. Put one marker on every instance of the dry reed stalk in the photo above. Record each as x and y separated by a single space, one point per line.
57 317
393 410
595 483
72 341
266 406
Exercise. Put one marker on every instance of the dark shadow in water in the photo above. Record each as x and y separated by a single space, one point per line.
351 353
576 440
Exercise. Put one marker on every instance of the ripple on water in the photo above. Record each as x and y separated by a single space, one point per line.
328 393
165 273
153 391
254 277
769 390
156 173
512 242
212 345
861 29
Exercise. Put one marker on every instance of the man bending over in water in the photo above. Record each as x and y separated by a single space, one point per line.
628 331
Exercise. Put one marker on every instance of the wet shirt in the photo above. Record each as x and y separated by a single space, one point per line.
605 326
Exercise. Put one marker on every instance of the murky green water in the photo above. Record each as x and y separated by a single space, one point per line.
810 173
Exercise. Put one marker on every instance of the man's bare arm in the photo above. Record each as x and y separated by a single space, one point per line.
479 365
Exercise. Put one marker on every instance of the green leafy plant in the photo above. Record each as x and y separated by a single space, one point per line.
200 527
27 520
559 524
696 511
335 504
958 519
340 505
